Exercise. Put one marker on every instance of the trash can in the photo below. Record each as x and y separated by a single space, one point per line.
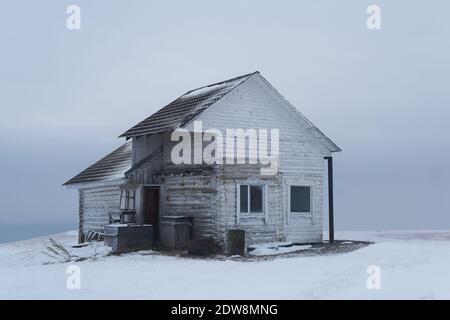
176 231
236 242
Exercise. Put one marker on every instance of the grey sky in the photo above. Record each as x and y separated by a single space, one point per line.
382 96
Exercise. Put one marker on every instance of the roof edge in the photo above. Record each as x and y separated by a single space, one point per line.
245 77
69 182
96 184
334 147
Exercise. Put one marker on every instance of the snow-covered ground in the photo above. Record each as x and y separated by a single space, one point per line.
413 264
271 249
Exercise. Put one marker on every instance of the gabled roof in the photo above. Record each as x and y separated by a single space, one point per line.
181 111
111 167
311 128
185 108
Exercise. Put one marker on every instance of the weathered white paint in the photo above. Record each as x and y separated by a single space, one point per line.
95 205
144 146
254 104
211 195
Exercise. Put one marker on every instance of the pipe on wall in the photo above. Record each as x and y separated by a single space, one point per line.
330 199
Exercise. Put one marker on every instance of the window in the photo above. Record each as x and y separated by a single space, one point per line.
251 198
127 199
300 199
244 198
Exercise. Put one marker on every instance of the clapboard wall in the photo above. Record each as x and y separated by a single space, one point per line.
95 205
254 104
195 196
211 196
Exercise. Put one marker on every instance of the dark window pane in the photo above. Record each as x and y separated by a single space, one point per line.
244 198
256 199
300 199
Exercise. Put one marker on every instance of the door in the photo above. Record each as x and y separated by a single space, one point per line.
151 209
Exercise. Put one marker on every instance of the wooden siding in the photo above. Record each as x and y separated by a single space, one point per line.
145 175
95 204
255 105
261 227
143 146
193 196
210 196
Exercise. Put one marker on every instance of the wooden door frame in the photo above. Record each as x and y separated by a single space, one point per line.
161 197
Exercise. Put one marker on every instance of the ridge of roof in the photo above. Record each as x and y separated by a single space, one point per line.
223 82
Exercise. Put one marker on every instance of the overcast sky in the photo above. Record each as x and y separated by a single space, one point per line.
382 96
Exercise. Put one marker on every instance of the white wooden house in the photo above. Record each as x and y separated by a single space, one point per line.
285 206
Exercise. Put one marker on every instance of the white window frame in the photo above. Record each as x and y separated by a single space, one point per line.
263 204
127 196
309 214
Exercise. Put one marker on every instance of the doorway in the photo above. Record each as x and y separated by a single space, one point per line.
152 208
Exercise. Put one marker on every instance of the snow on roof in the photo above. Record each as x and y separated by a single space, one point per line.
184 108
111 167
175 114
